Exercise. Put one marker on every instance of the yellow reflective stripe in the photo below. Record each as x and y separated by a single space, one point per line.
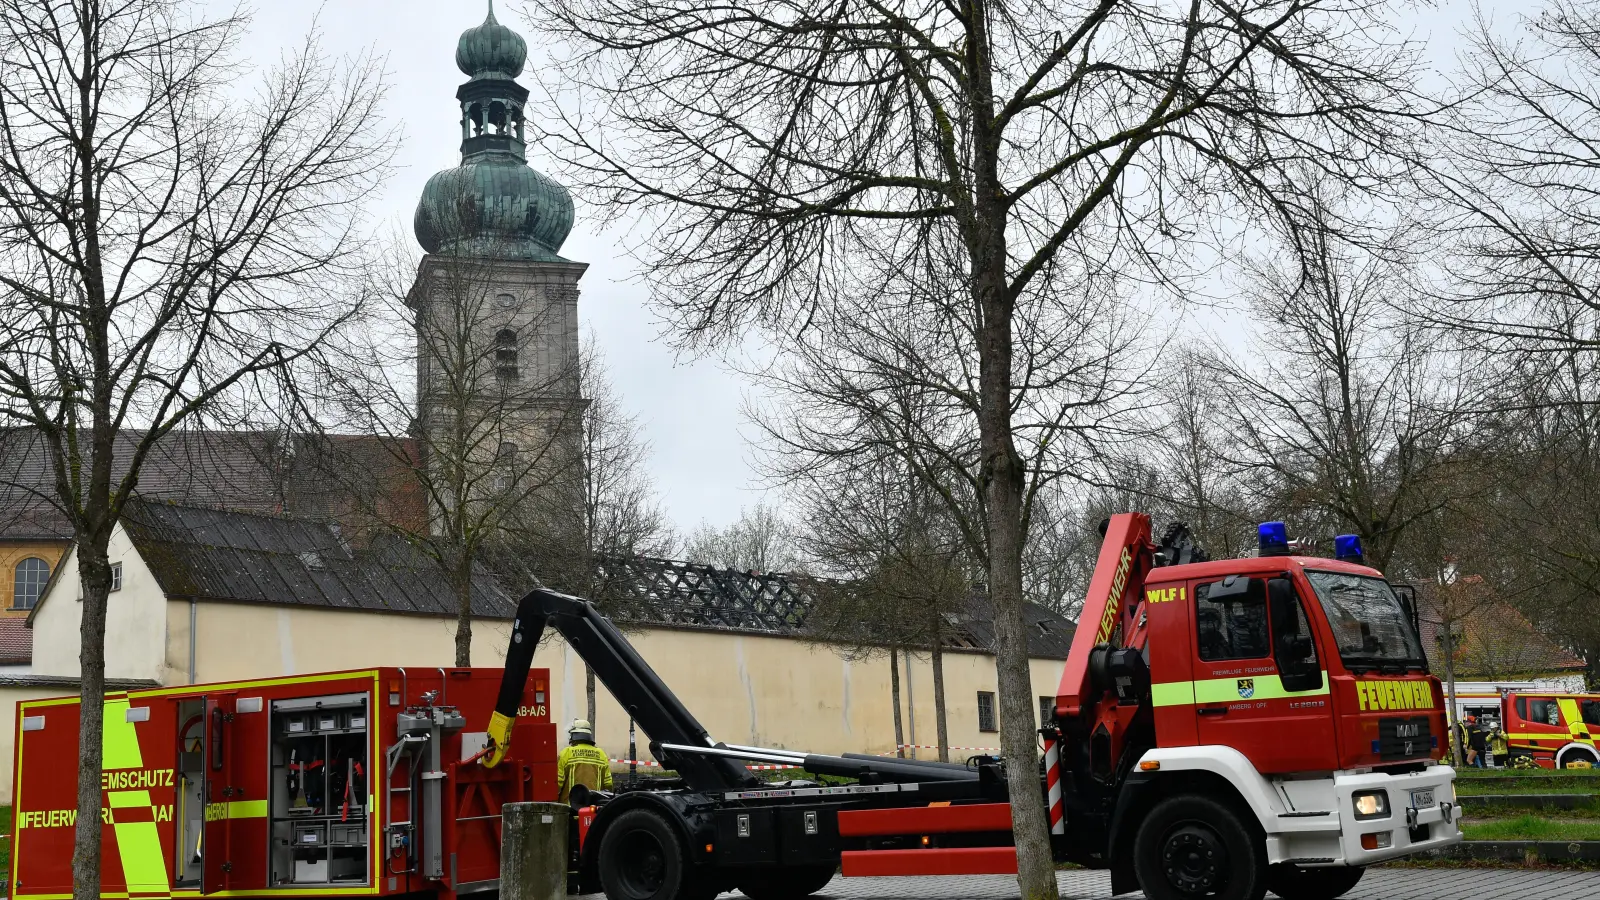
247 809
1228 690
1173 693
1577 729
129 799
119 742
144 868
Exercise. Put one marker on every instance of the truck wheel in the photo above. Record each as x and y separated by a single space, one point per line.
1578 755
1291 882
641 858
1192 847
787 884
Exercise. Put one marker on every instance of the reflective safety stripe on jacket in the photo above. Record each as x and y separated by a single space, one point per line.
583 764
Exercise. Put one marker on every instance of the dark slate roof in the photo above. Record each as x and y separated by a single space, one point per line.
323 477
212 554
16 641
648 591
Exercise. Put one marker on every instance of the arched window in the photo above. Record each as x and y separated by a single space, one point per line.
505 355
32 573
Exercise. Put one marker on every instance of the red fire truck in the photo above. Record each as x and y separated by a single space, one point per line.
1556 730
1222 728
356 783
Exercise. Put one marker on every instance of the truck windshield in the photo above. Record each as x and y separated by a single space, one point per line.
1369 624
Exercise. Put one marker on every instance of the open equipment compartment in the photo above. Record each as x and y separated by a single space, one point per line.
320 790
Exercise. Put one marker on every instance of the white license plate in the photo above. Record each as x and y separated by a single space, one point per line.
1421 799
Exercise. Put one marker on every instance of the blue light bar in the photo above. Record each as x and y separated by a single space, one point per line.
1274 538
1347 547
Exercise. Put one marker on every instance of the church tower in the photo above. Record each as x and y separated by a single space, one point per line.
496 305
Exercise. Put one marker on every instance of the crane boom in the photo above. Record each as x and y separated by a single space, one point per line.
1126 556
624 673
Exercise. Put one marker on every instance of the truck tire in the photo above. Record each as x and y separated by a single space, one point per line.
1578 754
786 884
1291 882
642 858
1191 847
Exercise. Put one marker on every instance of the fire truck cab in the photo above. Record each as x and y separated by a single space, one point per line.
1270 714
1556 730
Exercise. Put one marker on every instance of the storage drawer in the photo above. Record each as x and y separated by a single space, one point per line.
348 833
311 834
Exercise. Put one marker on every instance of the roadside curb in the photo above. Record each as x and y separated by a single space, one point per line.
1529 801
1528 852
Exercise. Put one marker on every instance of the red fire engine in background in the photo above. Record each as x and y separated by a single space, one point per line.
346 784
1555 730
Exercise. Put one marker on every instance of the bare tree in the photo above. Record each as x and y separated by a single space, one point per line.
620 513
776 143
464 386
908 573
760 540
170 248
1347 416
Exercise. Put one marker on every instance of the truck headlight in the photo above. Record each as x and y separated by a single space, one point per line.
1371 804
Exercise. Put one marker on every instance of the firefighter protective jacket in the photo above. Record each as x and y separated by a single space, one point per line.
583 764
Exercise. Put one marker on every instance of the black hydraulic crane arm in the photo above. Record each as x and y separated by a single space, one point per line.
624 673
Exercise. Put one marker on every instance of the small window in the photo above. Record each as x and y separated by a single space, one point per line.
505 301
1591 712
116 576
505 355
986 719
28 584
1544 712
1234 627
1522 708
1047 710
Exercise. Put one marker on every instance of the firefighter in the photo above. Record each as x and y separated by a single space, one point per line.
1479 741
582 762
1500 746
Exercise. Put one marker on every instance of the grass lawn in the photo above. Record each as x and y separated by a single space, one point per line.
1531 828
1467 787
5 843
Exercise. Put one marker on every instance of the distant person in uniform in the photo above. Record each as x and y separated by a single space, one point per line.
581 762
1499 746
1479 741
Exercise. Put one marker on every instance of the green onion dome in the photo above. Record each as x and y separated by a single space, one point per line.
491 49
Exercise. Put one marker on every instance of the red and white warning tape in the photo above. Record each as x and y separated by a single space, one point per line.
927 747
643 762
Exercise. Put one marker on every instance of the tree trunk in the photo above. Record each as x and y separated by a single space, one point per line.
1457 752
938 701
894 691
1003 474
461 583
588 678
94 570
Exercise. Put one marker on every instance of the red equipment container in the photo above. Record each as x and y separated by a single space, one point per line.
356 783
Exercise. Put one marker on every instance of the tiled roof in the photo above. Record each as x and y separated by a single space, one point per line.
212 554
1494 640
344 478
16 641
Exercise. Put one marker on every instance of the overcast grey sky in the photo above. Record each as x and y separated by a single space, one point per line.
690 409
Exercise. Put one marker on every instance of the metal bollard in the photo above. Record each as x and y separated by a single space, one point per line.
533 851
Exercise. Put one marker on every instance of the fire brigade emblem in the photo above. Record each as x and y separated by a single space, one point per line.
1247 688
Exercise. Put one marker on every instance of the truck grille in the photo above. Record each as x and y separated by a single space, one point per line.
1400 738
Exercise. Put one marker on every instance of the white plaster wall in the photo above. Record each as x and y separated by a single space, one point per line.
136 621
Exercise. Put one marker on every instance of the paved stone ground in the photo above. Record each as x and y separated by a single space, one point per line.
1379 884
